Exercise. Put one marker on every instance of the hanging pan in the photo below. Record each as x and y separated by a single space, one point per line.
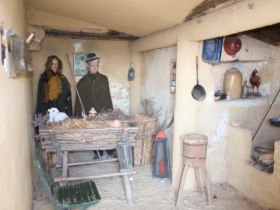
198 92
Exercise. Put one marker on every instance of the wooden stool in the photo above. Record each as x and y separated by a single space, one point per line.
195 146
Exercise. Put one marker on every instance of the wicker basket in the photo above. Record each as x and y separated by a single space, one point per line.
144 141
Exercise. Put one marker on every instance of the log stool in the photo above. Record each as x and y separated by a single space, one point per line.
195 146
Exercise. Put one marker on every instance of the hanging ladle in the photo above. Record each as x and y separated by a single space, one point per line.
198 92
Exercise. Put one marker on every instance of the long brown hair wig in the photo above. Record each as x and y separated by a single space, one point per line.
48 64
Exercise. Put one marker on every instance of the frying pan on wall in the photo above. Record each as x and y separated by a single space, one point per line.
198 92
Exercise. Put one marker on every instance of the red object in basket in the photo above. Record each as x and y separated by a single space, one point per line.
161 167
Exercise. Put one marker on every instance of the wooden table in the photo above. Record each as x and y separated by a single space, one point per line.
62 142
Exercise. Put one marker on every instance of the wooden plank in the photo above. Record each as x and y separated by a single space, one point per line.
269 156
209 5
92 162
64 164
267 34
50 150
72 148
88 145
87 149
69 179
110 35
93 131
88 138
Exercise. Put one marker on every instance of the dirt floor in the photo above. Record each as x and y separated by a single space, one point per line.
148 193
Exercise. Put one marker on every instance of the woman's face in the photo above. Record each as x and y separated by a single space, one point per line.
54 65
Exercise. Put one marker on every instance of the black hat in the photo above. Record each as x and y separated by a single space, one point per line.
91 57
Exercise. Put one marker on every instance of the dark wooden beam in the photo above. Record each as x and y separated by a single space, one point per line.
208 5
267 34
110 35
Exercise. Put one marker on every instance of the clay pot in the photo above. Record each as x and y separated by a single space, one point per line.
92 112
233 83
232 45
116 124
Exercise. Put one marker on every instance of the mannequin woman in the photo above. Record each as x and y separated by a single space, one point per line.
53 88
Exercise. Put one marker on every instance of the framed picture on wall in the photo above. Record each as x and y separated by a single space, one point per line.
80 65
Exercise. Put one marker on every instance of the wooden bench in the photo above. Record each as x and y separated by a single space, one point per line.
80 195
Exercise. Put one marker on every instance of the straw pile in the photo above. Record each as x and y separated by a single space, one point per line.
102 120
75 123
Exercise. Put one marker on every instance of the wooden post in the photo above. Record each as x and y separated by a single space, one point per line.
197 179
64 164
209 194
98 154
57 147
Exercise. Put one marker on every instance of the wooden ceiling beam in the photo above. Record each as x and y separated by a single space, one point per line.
110 35
267 34
207 6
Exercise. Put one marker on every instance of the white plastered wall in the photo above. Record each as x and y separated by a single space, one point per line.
15 123
188 112
156 77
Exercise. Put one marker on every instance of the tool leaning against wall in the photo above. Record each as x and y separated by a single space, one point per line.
76 89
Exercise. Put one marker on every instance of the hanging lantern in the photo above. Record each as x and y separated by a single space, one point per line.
232 45
131 74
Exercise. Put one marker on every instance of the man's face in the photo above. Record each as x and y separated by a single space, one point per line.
93 66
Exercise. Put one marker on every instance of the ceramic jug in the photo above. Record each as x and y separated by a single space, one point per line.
233 83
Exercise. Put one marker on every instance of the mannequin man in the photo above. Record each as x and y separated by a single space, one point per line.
93 89
94 92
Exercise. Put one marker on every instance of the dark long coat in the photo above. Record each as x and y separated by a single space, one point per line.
63 103
95 93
